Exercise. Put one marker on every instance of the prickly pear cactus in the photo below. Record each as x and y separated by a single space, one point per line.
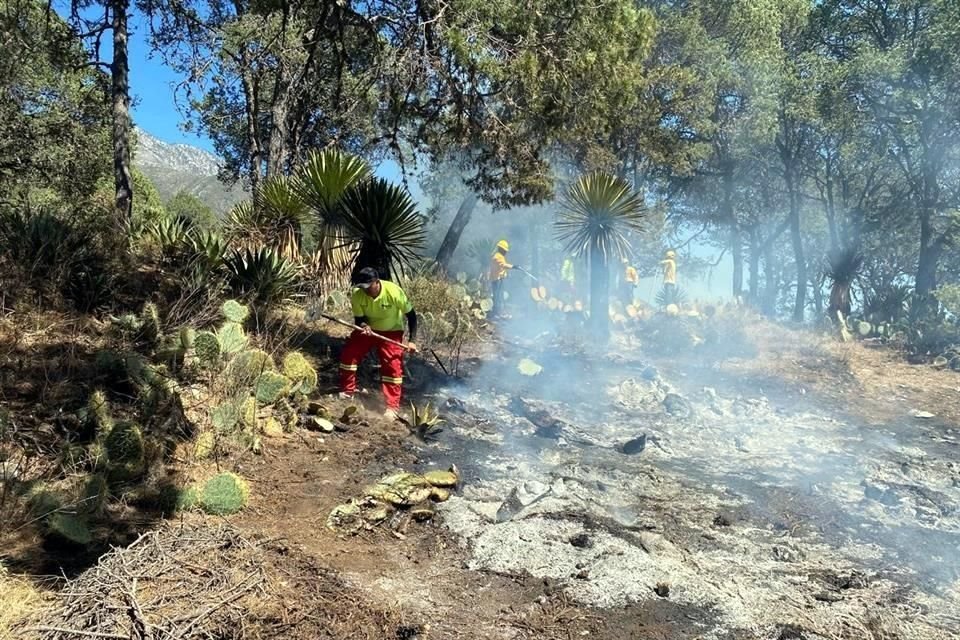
206 346
224 494
225 416
125 451
205 445
150 323
94 493
232 338
99 412
271 427
272 386
69 527
234 311
301 373
187 336
248 413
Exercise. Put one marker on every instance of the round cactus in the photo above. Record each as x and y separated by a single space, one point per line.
234 311
271 387
206 346
187 336
224 494
299 370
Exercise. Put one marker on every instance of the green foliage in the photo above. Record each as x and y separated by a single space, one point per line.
597 214
383 220
679 297
208 250
261 275
206 346
271 387
172 235
299 370
949 296
69 527
224 494
147 204
233 311
231 338
189 208
325 177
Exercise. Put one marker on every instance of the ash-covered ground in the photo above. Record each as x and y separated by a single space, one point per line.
775 520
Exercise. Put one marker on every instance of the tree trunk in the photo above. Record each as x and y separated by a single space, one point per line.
252 108
925 304
277 152
460 222
831 209
599 295
769 304
754 266
795 234
736 250
120 95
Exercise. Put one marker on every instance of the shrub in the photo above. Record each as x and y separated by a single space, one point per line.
301 372
224 494
261 275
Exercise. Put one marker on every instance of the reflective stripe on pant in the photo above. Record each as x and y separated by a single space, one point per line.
391 364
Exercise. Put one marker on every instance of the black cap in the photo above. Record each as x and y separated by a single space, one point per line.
366 275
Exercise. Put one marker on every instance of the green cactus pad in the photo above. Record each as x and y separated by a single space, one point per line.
272 427
187 336
234 311
225 416
94 493
99 411
300 371
69 527
206 346
224 494
246 368
125 451
232 338
174 498
205 445
150 321
272 386
248 413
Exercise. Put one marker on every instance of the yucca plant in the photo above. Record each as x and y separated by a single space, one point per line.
597 213
843 267
275 217
888 304
679 297
261 275
478 253
325 177
383 220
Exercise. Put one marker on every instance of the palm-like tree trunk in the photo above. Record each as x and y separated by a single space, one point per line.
599 294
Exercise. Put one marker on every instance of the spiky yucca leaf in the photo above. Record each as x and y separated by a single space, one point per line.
597 213
844 265
383 219
261 275
325 177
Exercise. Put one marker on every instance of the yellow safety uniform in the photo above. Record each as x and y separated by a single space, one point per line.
630 275
386 311
499 267
669 271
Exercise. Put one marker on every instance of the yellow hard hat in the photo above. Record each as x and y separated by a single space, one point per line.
671 253
503 244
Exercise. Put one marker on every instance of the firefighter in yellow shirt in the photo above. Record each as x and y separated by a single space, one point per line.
669 265
499 268
628 282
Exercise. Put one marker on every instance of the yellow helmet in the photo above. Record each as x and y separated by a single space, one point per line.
671 254
503 244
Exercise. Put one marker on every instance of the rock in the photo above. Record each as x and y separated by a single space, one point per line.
677 406
662 589
582 541
583 574
314 408
880 494
422 512
787 554
510 507
711 393
940 362
315 423
827 596
535 488
723 519
923 415
635 446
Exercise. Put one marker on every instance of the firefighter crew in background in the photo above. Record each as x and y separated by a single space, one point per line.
379 307
499 268
669 264
628 282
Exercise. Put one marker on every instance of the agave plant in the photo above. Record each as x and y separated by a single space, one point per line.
478 252
383 220
888 304
678 298
597 214
261 275
325 177
275 218
843 267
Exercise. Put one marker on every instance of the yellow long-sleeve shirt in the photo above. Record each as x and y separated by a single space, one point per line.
499 267
669 271
630 275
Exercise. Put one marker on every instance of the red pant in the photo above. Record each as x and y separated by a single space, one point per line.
391 363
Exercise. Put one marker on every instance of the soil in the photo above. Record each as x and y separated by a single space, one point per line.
723 526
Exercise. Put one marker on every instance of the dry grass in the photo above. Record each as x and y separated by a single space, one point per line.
20 601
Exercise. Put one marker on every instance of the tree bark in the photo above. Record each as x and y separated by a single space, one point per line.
252 108
754 266
599 295
801 263
926 281
120 96
452 238
771 286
